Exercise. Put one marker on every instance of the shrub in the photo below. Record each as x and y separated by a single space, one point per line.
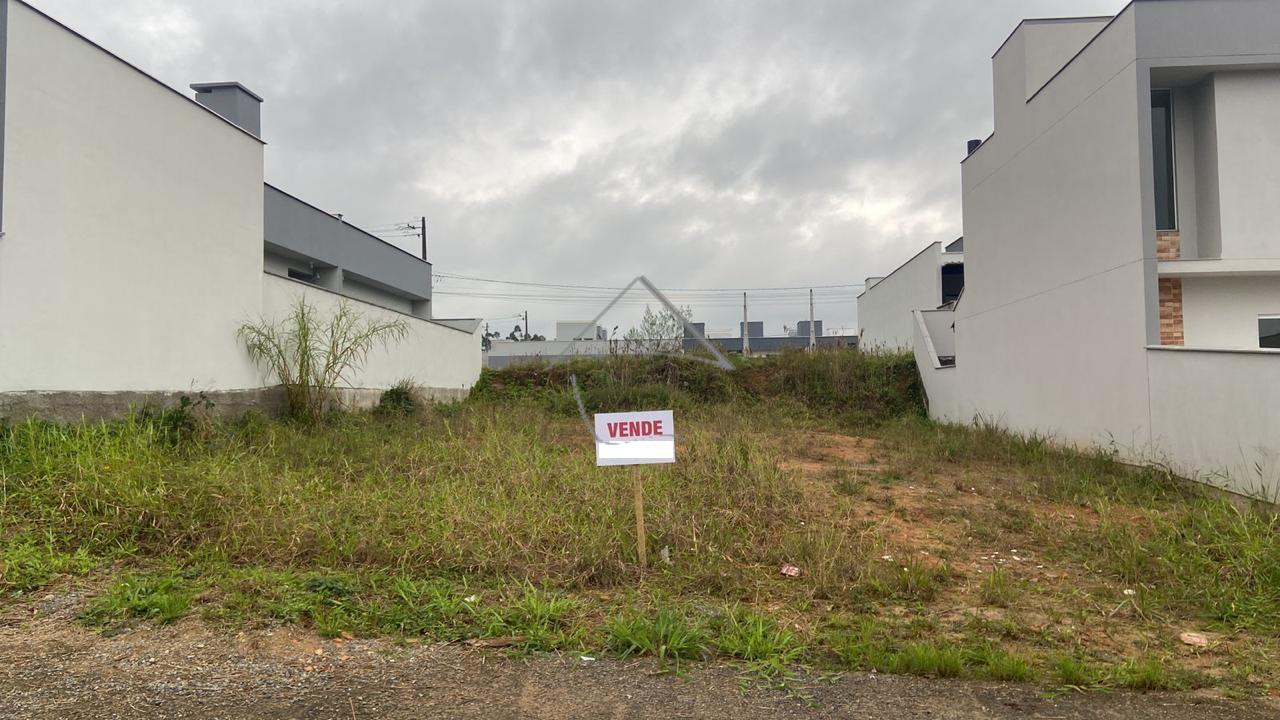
311 355
399 399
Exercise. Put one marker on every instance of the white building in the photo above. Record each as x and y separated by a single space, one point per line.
137 235
931 279
1122 271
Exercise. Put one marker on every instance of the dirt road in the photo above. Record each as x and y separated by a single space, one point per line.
52 667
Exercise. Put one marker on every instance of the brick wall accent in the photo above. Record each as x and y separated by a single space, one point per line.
1168 245
1171 311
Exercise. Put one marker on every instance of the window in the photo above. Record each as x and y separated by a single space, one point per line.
304 276
1162 159
1269 331
952 282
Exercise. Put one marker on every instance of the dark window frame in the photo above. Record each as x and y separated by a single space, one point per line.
303 276
1271 340
1164 175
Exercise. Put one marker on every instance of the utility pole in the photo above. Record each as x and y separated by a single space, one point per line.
527 334
746 328
422 229
813 336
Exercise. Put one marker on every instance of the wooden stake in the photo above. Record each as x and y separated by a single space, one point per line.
637 486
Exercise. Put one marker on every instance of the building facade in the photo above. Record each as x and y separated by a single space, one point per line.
137 235
931 279
1121 279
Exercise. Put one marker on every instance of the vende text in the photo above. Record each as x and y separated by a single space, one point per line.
641 428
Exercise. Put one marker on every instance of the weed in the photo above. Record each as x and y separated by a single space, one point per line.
538 618
859 645
914 580
159 597
667 635
29 565
399 400
994 663
998 588
1146 674
311 356
1074 671
756 639
933 660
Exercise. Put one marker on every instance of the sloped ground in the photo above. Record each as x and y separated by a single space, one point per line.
920 550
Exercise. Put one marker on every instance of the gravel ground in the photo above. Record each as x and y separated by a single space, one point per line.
52 667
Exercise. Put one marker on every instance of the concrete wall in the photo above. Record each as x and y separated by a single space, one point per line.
1222 312
294 226
434 356
1208 210
929 329
503 353
1049 43
359 289
1247 114
1213 416
133 225
134 246
1186 108
1051 330
884 309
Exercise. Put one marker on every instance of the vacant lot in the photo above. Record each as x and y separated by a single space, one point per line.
922 549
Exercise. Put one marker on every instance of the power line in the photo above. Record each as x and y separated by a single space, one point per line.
805 288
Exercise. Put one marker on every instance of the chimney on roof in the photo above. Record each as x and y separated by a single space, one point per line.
233 101
974 145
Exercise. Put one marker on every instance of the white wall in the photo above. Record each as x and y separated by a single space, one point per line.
133 226
932 329
1247 115
1052 328
359 290
1049 44
884 309
433 355
1222 312
1214 414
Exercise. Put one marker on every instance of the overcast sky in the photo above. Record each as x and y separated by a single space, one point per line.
703 144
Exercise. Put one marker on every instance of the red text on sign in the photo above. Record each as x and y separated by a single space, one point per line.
635 428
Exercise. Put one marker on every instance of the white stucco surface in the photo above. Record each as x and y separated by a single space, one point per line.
1248 152
431 355
884 308
133 226
941 393
1214 415
133 244
1051 331
1222 312
1049 44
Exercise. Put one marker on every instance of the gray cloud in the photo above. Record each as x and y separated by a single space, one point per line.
706 144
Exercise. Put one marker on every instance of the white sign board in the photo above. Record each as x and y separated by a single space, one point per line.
635 438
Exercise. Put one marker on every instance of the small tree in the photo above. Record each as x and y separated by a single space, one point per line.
311 356
659 331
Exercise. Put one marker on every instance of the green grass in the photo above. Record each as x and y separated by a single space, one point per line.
667 635
27 565
998 588
489 519
163 598
757 640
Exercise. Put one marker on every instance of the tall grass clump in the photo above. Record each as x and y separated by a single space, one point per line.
860 388
1213 556
311 355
